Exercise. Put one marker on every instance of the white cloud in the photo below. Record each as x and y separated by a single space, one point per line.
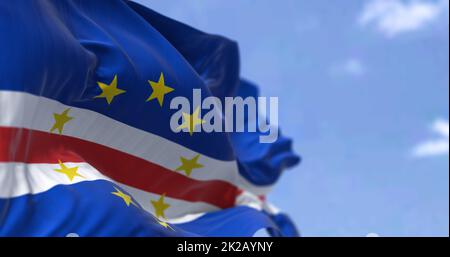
392 17
351 66
438 146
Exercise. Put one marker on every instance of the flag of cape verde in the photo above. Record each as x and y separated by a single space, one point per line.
86 146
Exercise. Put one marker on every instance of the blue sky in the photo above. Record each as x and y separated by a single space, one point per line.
363 88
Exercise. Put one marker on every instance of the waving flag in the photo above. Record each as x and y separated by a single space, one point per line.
85 140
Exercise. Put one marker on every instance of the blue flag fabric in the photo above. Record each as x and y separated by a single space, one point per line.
85 142
261 163
218 61
86 209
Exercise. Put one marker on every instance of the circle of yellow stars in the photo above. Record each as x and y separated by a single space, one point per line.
109 91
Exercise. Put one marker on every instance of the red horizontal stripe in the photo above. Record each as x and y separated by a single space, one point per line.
31 146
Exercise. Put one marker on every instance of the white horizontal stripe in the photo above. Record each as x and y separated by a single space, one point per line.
271 209
17 179
23 110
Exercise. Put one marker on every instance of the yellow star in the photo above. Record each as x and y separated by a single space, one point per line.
71 173
160 206
159 90
109 91
163 223
61 120
188 165
126 198
191 121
